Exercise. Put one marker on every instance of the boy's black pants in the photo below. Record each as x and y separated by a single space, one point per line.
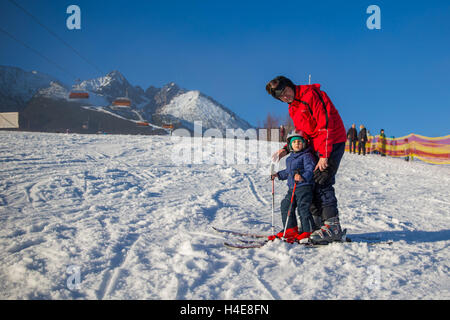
302 202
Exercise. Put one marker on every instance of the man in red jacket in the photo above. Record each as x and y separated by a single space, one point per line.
314 114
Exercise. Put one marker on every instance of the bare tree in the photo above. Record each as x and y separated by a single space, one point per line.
271 122
288 124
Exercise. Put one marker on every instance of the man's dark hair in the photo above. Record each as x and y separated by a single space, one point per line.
277 82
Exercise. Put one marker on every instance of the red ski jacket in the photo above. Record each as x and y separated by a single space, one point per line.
313 113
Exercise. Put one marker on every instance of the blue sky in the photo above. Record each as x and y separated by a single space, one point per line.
396 78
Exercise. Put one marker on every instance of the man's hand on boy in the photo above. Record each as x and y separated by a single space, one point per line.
298 177
322 164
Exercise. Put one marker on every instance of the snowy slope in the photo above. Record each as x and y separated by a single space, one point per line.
138 117
136 226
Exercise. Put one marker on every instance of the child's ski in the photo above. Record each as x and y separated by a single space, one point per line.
254 244
256 240
240 233
249 244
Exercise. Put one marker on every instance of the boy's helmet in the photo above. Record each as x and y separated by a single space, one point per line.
298 135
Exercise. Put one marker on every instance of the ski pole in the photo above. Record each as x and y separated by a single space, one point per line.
289 211
273 204
273 196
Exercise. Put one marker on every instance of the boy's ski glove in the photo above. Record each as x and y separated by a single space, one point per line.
298 172
323 177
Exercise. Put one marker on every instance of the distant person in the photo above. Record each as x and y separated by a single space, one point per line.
408 152
393 148
313 113
382 143
362 140
370 141
352 136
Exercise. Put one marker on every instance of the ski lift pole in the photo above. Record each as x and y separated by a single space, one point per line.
289 211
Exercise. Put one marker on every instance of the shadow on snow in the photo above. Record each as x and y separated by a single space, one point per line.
410 237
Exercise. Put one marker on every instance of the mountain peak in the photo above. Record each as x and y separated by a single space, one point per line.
115 74
18 86
188 107
113 80
171 86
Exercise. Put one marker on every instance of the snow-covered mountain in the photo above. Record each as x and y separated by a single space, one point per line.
114 85
17 87
58 91
169 104
194 106
55 90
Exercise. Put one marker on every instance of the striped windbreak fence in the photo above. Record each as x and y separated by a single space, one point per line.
432 150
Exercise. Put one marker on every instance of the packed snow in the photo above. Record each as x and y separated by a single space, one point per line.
114 217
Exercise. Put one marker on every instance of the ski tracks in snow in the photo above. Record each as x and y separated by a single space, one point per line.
139 226
111 277
254 191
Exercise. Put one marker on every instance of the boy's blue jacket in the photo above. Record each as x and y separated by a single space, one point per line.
302 161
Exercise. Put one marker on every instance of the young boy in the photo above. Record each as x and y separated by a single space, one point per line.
299 170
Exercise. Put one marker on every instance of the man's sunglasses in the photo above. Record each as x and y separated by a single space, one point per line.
278 91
